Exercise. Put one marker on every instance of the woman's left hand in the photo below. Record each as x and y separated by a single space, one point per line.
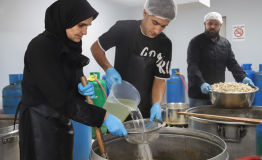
88 90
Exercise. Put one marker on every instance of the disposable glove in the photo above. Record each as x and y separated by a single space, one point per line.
247 80
115 127
155 112
111 76
88 90
205 88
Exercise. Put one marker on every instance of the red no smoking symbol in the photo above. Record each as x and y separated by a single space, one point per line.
239 32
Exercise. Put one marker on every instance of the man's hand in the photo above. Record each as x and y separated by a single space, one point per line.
247 80
155 112
205 88
111 76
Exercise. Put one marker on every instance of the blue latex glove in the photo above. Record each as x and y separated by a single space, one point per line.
115 127
205 88
155 112
111 76
88 90
247 80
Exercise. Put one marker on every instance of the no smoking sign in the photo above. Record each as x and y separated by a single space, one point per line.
239 32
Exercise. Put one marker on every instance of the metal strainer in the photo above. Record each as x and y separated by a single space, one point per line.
137 134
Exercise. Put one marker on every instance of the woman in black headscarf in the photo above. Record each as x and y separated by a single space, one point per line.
52 92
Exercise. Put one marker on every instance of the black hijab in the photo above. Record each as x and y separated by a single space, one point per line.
64 14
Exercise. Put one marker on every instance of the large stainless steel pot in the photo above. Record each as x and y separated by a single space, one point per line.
240 137
232 100
173 144
9 138
170 116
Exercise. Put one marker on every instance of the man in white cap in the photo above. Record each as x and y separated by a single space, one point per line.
208 56
143 54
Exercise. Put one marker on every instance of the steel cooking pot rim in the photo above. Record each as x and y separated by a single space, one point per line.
257 89
9 133
2 133
190 131
164 130
214 121
175 107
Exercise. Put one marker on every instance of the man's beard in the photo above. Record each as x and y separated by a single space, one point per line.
212 35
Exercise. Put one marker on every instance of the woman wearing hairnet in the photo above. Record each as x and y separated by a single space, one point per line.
143 54
52 92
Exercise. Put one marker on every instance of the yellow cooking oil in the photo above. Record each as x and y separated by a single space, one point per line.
119 110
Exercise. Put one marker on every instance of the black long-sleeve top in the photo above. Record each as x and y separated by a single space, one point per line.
207 62
51 76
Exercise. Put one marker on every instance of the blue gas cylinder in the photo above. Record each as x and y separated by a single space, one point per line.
107 89
250 73
82 141
175 88
258 83
259 139
12 93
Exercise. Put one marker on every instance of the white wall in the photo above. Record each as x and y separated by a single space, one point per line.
190 24
22 20
109 13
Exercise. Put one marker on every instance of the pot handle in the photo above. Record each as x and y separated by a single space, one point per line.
163 109
10 139
241 132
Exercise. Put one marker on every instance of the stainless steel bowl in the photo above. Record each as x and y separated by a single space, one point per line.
170 116
232 100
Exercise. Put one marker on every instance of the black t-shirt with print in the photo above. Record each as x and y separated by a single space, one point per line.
128 39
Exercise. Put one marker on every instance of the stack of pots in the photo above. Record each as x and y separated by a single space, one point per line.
240 137
9 138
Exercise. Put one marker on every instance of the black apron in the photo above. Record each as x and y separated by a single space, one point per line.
140 72
44 133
